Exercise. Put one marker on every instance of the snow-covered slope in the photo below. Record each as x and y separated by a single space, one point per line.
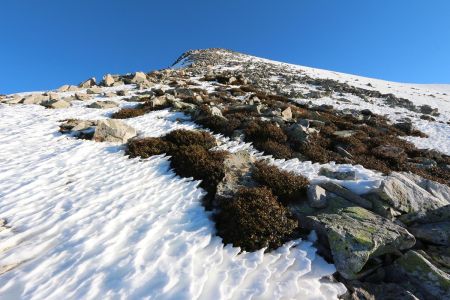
86 222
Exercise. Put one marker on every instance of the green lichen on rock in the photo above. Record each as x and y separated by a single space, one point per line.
356 234
424 275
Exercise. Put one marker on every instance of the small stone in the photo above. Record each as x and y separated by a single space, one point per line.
344 133
122 93
287 113
317 196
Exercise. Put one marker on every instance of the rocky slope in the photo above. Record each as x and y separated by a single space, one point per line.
281 150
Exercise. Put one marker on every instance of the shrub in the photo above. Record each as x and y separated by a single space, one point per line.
182 137
254 219
277 150
147 147
197 162
287 186
263 131
126 113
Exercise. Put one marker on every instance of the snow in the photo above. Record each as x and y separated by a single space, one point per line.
87 223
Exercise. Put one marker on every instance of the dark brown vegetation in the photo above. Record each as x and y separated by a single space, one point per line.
287 186
190 155
126 113
254 219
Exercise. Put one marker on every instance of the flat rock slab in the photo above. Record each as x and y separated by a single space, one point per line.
115 131
434 233
103 104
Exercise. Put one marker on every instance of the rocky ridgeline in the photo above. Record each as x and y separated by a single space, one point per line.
390 243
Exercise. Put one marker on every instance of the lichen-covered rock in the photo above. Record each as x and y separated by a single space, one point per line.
440 214
113 131
382 291
346 194
354 234
317 196
421 273
405 196
434 233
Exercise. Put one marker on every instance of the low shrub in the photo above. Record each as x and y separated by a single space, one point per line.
146 147
183 137
287 186
254 219
263 131
197 162
126 113
277 150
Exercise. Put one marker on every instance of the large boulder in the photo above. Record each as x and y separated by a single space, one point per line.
113 131
404 195
414 269
354 234
437 189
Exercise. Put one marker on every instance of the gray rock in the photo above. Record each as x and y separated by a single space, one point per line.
381 291
3 225
34 99
404 195
215 111
68 88
94 90
287 113
82 96
344 133
428 110
414 268
108 80
113 131
88 83
139 77
438 190
237 169
440 214
346 194
317 196
103 104
56 104
354 234
434 233
339 175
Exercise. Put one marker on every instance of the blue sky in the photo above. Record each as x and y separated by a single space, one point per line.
47 43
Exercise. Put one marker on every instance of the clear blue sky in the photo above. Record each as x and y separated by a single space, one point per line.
46 43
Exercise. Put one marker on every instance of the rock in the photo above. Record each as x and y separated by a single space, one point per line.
3 225
440 214
34 99
88 83
109 94
405 196
68 88
53 96
382 291
299 133
344 133
82 96
406 127
346 194
108 80
414 268
354 234
237 169
94 90
317 196
122 93
113 131
103 104
215 111
428 110
434 233
387 151
438 256
287 113
139 77
73 125
438 190
14 99
339 175
56 104
343 152
184 106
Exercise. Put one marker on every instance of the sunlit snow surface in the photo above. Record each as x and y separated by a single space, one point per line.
86 222
89 223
